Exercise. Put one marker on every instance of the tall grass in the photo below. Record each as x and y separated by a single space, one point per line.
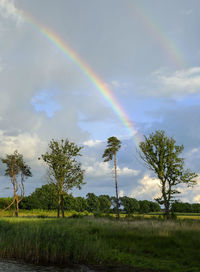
169 246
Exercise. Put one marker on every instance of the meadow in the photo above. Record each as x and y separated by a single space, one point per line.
141 243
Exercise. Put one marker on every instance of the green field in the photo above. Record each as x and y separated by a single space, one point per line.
160 245
53 213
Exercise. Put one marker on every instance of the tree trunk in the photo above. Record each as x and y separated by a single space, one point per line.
59 200
62 206
116 186
167 211
15 194
16 206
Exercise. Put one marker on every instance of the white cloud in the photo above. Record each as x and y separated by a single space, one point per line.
125 171
29 145
178 84
196 198
121 193
8 10
148 188
92 143
103 169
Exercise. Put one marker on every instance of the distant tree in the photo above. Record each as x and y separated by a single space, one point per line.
113 146
144 206
93 204
80 204
182 207
161 155
44 198
5 201
16 168
69 202
154 206
131 205
64 170
104 203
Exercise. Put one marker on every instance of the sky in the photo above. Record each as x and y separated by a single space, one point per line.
88 70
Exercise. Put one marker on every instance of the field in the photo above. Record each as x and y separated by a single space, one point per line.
53 213
145 243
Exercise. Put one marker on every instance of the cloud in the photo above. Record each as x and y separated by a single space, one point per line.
104 169
147 188
92 143
125 171
8 10
28 145
175 84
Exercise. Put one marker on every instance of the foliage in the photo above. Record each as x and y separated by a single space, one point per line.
113 146
161 154
93 203
144 206
185 207
104 203
64 170
5 201
131 205
44 197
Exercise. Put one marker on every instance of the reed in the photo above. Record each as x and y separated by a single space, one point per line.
160 245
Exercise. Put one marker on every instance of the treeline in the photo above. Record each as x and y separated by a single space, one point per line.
185 207
46 198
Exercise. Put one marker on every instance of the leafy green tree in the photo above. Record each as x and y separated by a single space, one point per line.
161 154
16 167
93 204
144 206
154 206
44 198
131 205
69 202
113 146
80 204
64 170
104 203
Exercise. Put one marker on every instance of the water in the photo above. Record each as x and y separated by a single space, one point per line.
12 266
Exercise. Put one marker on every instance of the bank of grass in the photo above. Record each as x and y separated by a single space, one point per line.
53 214
159 245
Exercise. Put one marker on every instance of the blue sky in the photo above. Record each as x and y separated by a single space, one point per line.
148 54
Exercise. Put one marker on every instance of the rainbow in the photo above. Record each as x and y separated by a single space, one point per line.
93 78
154 29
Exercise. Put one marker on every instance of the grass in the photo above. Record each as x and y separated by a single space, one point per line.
41 213
53 213
160 245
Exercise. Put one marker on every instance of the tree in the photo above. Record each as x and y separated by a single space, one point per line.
93 203
44 198
144 206
64 170
105 203
16 167
113 146
131 205
161 154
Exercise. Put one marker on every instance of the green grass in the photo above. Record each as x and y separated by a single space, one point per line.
41 213
160 245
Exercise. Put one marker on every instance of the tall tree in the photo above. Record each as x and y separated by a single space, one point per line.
16 167
64 170
113 146
161 154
